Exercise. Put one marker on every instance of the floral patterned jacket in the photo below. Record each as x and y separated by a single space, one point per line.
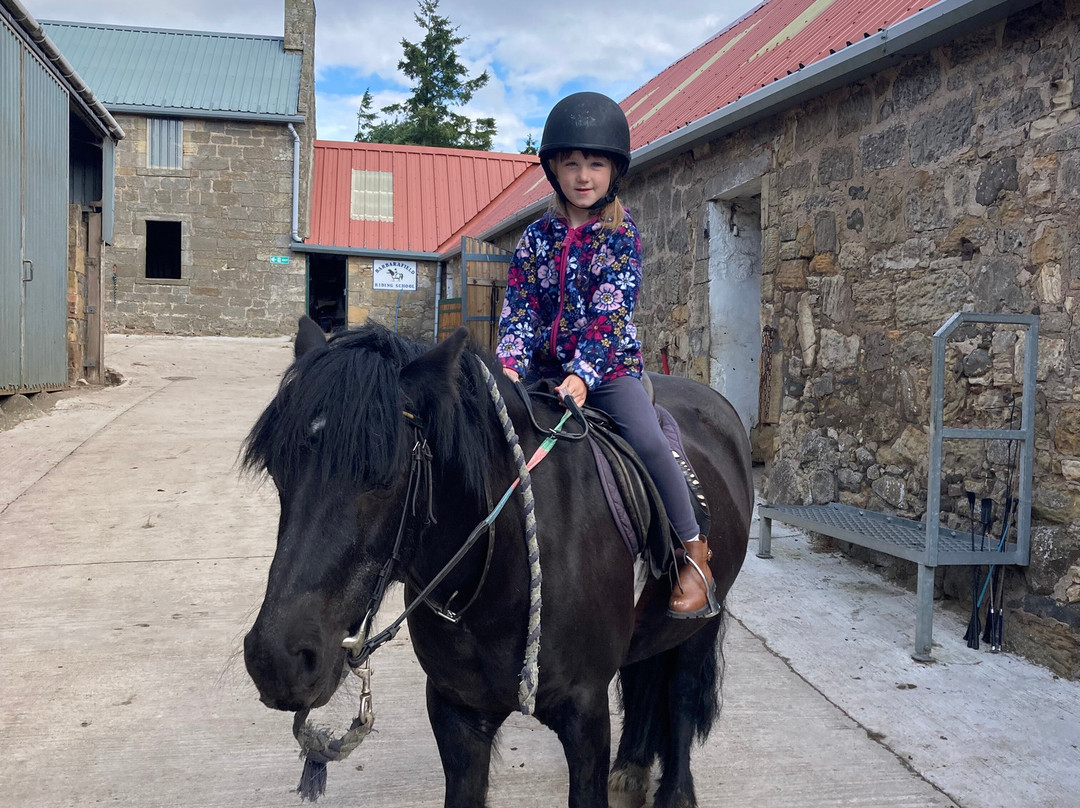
570 299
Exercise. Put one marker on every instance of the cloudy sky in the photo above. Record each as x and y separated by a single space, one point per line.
535 52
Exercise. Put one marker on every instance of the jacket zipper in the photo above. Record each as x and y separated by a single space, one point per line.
564 258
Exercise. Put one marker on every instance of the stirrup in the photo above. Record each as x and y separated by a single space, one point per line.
712 606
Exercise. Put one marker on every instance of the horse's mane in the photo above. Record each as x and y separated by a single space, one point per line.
344 406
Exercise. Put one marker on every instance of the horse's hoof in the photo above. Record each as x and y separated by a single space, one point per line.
628 786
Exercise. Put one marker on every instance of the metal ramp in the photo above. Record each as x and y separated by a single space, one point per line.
929 544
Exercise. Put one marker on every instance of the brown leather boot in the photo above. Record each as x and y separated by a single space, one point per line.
695 593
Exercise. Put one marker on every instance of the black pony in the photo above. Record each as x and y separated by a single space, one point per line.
337 441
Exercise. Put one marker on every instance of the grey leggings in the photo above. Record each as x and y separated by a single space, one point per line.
626 401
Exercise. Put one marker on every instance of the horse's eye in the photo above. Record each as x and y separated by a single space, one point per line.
379 493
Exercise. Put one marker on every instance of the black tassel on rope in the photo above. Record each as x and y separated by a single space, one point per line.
972 633
312 779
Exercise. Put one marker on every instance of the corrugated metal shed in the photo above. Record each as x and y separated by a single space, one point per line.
775 40
171 72
435 193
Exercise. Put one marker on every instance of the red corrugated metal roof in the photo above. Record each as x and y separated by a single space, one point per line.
777 38
435 192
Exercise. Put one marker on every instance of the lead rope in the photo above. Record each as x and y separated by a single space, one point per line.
319 747
530 672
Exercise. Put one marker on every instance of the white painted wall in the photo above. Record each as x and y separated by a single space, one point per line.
735 302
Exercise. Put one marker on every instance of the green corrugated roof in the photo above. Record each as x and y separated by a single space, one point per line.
147 70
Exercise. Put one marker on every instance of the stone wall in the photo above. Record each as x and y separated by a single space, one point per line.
946 183
411 314
233 198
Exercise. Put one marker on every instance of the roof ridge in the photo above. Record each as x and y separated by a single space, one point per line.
148 30
531 159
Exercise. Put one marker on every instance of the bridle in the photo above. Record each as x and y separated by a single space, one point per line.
316 744
360 646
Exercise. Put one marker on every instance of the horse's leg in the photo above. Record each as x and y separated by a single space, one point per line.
583 723
693 705
465 737
643 689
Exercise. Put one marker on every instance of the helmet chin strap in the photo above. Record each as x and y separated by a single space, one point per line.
613 191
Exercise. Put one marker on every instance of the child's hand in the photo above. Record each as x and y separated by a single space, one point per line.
574 387
511 374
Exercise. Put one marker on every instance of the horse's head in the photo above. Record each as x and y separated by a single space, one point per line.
336 441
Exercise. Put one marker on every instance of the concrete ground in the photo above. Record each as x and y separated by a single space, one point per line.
133 558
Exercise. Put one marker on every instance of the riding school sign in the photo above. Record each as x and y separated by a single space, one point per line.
399 276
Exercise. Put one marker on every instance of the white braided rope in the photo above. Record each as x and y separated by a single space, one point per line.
530 672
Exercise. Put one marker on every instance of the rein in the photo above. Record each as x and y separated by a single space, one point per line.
558 432
361 645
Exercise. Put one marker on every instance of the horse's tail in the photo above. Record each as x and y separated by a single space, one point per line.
673 695
706 703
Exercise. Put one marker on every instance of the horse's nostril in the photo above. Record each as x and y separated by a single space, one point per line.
308 659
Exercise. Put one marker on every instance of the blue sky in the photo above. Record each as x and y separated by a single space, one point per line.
535 52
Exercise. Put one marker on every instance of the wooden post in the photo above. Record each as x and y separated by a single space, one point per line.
94 358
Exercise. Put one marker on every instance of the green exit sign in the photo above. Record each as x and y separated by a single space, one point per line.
279 259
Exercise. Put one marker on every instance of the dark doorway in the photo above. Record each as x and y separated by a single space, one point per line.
327 286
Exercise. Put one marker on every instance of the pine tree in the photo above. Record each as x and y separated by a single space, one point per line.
440 82
365 119
530 145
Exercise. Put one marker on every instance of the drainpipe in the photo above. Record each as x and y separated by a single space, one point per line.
295 185
438 296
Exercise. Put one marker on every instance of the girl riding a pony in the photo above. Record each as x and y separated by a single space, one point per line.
568 313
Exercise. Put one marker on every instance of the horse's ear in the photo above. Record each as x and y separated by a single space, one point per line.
433 377
309 337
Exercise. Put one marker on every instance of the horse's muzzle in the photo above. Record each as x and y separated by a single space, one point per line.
294 667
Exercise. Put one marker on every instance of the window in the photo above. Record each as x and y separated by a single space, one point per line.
163 250
165 143
372 196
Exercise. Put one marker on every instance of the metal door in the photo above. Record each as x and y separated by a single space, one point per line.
10 207
33 221
44 214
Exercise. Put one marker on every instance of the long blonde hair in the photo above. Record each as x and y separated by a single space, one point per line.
611 216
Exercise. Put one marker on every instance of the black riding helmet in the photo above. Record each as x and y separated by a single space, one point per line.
592 123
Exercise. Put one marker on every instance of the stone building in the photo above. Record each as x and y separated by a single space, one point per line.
820 187
213 179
